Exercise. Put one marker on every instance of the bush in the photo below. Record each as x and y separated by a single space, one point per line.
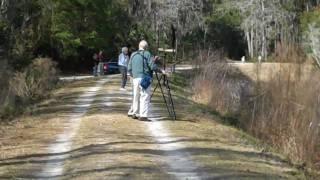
33 83
36 80
6 95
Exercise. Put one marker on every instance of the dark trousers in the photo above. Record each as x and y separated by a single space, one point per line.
95 70
123 71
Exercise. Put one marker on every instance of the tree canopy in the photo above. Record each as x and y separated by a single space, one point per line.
71 31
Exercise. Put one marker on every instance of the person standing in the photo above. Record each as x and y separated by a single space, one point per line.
123 66
95 67
100 59
141 65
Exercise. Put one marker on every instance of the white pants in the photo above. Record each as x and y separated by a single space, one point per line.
141 99
130 112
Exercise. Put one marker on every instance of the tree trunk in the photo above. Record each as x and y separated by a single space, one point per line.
248 43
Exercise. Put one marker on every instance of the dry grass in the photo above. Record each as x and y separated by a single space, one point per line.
285 110
282 109
220 86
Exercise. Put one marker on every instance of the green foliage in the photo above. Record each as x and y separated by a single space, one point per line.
225 15
65 30
308 18
90 24
3 32
222 31
310 25
71 31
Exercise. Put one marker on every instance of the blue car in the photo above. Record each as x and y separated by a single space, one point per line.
111 67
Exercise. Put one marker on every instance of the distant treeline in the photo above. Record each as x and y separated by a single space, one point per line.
71 31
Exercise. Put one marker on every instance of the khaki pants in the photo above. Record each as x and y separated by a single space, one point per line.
141 99
130 112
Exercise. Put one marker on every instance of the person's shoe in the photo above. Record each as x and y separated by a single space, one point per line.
144 119
134 116
130 115
123 89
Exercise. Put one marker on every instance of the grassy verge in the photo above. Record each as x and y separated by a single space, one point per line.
24 140
182 85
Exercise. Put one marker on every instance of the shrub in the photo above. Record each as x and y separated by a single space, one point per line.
6 95
33 83
36 80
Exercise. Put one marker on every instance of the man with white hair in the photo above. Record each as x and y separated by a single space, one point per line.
141 67
123 65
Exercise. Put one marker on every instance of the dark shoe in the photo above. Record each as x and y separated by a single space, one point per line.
144 119
134 117
130 115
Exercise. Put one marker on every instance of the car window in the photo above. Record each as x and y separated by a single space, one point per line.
113 60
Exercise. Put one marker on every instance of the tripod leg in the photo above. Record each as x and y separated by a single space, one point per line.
158 84
173 113
168 102
172 104
164 97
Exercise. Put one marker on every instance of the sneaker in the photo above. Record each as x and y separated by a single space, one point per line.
144 119
134 117
123 89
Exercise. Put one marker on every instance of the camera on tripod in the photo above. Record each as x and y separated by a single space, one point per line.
163 82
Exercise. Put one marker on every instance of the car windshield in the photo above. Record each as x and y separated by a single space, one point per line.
113 60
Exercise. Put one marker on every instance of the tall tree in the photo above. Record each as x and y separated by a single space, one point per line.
169 19
310 25
264 23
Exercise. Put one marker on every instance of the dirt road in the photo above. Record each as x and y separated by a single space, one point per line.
83 132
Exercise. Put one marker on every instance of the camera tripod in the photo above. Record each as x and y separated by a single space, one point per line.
163 85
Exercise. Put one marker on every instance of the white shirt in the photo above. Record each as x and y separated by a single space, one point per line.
123 60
